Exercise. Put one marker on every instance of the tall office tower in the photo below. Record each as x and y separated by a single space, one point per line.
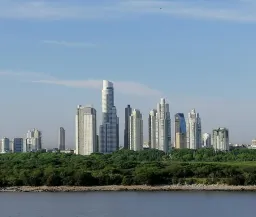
220 139
17 145
5 145
194 134
163 126
152 129
180 131
86 130
61 139
128 111
109 129
33 141
136 131
206 143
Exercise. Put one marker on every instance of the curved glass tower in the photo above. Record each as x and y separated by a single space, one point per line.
109 129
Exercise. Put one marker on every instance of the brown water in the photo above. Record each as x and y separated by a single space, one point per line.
128 204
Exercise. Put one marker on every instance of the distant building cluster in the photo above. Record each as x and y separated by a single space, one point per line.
32 142
187 131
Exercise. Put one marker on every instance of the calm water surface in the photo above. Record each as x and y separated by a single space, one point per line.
128 204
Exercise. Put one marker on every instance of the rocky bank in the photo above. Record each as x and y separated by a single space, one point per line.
128 188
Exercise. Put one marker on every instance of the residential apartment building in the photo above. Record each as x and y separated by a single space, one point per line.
86 130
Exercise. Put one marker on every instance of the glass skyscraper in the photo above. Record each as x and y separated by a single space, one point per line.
109 129
180 131
128 111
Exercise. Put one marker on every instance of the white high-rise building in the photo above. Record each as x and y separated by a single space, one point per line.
109 129
86 130
194 133
163 126
61 139
33 141
136 131
5 145
206 143
220 139
152 129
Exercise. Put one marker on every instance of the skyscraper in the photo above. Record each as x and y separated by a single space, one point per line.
128 111
206 143
152 129
220 139
136 131
33 141
194 135
17 145
163 126
180 131
86 130
61 139
109 129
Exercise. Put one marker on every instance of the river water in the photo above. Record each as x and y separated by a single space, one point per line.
128 204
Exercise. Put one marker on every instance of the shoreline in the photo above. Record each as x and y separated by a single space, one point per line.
128 188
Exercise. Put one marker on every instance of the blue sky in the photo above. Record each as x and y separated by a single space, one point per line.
198 54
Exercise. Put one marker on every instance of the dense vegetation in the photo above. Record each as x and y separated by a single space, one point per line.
151 167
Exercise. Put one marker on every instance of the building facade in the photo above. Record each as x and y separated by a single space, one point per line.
128 112
32 141
254 142
86 130
61 138
136 131
163 126
152 129
194 133
180 131
109 129
220 139
17 145
206 140
5 143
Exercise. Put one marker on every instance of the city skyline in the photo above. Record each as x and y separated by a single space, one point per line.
56 54
192 115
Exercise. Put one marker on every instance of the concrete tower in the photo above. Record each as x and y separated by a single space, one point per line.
61 138
194 134
163 126
86 130
136 131
220 139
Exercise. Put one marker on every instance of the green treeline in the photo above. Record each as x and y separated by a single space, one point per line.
151 167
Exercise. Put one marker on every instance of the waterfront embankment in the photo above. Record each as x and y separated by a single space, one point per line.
128 188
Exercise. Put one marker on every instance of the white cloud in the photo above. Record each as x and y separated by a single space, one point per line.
69 44
124 87
235 10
